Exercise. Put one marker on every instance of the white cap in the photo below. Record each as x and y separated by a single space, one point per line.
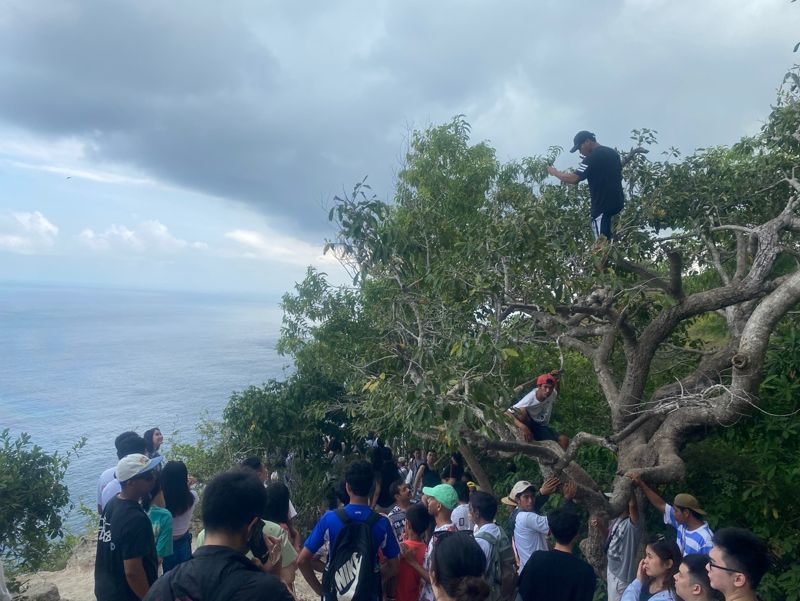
135 464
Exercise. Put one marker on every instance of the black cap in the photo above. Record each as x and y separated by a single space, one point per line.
580 138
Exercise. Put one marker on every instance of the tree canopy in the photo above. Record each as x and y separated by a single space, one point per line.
481 274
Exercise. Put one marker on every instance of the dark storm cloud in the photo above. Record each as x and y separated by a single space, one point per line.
282 105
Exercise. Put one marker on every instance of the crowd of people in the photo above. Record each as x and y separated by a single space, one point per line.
397 529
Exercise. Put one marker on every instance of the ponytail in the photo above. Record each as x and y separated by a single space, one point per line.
471 588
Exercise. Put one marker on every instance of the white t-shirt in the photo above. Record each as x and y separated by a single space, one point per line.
111 490
180 523
539 411
106 477
460 517
485 545
530 535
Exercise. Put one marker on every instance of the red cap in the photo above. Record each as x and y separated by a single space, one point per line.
546 379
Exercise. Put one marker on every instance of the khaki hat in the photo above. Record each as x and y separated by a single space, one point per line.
687 501
134 465
516 490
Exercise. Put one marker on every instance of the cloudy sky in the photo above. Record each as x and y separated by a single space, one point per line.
195 145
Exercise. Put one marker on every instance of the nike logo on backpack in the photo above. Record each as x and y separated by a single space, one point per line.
345 577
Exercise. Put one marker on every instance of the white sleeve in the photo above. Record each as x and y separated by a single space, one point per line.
528 400
292 511
532 521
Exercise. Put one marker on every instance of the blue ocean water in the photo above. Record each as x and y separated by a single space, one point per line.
95 362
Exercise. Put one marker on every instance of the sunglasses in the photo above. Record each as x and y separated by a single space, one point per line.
711 564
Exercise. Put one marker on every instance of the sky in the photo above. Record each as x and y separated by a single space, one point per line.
197 145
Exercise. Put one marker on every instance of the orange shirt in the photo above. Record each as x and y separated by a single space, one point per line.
407 577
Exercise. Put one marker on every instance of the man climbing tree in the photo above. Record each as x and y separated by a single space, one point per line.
602 167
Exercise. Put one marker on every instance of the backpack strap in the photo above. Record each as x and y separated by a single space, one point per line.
492 540
342 515
372 519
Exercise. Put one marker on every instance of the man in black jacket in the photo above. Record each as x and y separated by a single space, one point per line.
219 570
602 167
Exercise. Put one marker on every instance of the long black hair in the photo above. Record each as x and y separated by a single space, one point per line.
458 565
178 499
148 441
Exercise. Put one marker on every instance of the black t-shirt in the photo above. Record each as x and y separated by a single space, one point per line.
388 474
218 573
556 576
603 168
125 533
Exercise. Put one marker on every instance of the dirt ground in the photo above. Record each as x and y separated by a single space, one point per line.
76 581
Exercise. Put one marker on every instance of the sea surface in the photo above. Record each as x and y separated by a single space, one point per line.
89 362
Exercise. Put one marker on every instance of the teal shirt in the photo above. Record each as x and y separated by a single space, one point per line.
161 519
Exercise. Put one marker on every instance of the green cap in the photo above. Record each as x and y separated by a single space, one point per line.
444 493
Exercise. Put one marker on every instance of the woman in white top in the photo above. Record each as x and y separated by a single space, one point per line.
180 500
655 580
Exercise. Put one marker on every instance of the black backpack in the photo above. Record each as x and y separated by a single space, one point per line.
353 573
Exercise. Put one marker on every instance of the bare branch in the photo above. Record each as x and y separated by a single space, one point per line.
675 268
580 439
715 259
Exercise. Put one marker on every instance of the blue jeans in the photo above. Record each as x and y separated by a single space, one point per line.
181 551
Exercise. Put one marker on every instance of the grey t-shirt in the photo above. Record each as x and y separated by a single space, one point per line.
623 549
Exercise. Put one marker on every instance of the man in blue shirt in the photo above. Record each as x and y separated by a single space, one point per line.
685 515
358 480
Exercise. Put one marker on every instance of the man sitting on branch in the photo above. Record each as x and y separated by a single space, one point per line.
531 415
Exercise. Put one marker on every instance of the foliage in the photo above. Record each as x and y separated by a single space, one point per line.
34 498
748 475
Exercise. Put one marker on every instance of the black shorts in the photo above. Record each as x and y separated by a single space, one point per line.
539 430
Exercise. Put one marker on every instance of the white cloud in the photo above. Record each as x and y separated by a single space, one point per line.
272 246
147 237
26 233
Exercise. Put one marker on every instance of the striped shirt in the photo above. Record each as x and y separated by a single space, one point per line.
689 541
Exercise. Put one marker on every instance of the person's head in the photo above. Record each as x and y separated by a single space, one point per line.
232 503
738 561
257 466
400 491
442 499
358 476
662 558
417 454
544 386
584 141
417 519
687 509
175 483
153 439
482 507
147 500
462 491
430 457
457 569
129 443
564 525
522 496
277 507
136 474
691 579
401 461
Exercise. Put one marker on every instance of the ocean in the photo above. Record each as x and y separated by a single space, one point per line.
89 362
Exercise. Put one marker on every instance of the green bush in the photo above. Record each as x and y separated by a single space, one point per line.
34 500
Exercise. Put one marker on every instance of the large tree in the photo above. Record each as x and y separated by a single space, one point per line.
480 272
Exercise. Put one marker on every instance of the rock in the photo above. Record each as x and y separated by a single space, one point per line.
40 591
